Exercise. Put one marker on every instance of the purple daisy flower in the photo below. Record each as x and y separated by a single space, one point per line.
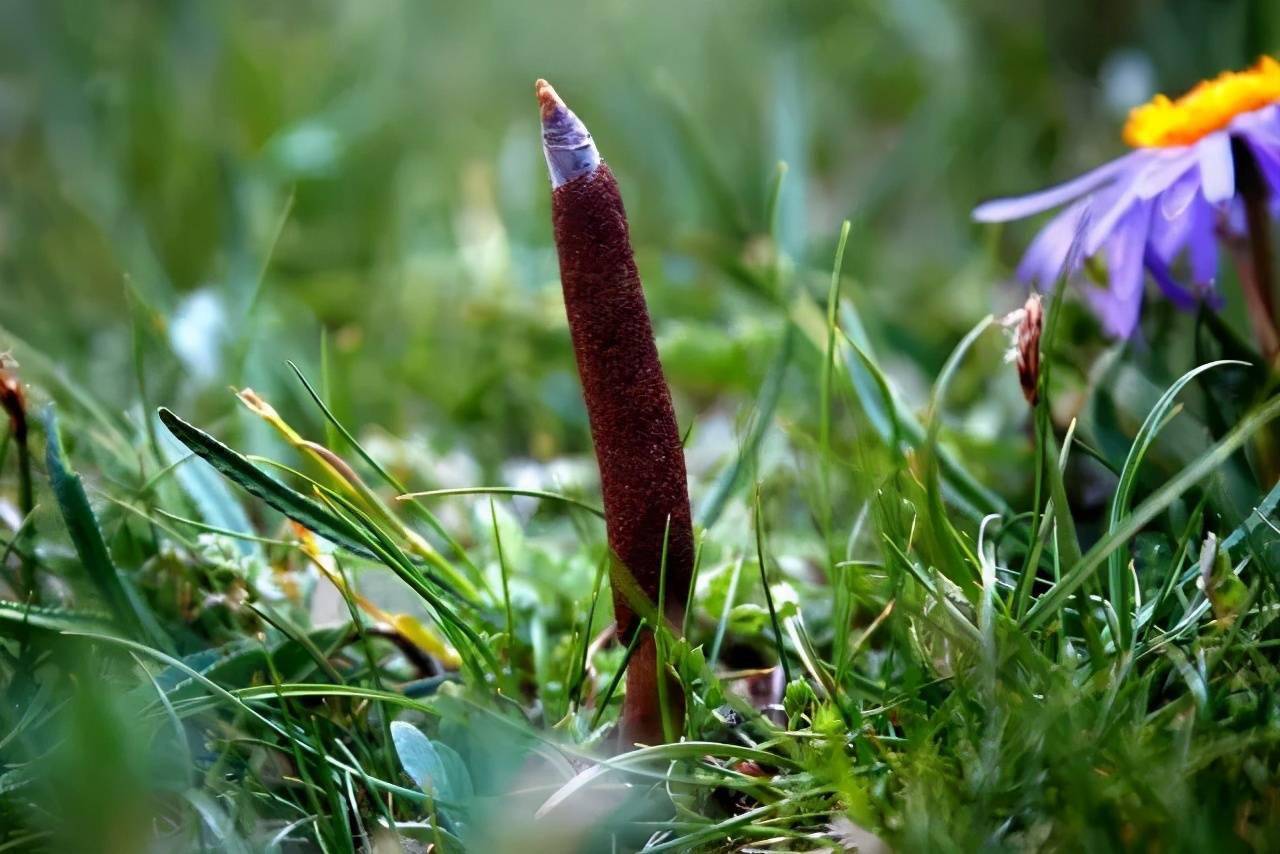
1169 199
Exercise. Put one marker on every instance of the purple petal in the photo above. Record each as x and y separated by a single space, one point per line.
1233 220
1109 207
1164 170
1003 210
1161 170
1264 119
1174 201
1217 171
1177 294
1048 253
1126 248
1268 136
1202 243
1169 234
1119 316
1124 258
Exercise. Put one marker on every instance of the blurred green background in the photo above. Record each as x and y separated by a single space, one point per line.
192 192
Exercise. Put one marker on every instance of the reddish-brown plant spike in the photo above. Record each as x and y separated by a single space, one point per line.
633 425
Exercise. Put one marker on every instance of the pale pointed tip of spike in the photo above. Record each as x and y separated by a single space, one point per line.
548 100
566 142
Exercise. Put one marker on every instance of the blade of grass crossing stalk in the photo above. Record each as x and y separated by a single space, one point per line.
617 676
291 725
371 661
1119 579
126 606
1066 541
1201 467
1050 336
660 642
287 628
383 810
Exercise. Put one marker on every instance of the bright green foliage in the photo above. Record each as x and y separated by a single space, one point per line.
926 616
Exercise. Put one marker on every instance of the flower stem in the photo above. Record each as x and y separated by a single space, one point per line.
1256 265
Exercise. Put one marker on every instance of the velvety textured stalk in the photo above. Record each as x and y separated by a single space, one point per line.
633 425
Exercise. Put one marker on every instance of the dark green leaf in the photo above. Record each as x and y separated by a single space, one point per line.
298 507
126 606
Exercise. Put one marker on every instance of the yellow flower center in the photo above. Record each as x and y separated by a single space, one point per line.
1208 107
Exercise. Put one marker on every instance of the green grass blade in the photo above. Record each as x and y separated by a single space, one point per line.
1044 458
1258 517
333 424
761 420
17 617
952 551
1203 466
824 393
125 604
210 493
723 622
1066 538
237 468
1118 577
768 595
503 490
